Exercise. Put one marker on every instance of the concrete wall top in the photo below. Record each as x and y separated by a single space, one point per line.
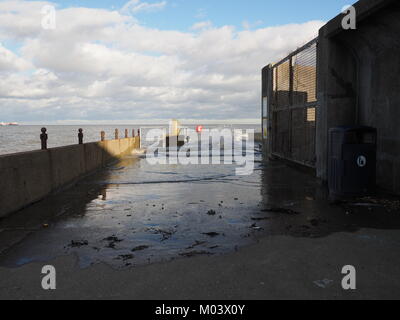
364 9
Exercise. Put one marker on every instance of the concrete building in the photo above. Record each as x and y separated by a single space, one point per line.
356 83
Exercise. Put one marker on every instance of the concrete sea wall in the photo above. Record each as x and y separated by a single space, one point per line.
28 177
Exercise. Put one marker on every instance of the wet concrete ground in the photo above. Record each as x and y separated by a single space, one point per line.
133 215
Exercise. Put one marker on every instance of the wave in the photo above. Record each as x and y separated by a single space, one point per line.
218 178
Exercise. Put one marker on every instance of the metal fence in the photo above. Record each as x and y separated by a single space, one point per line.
293 105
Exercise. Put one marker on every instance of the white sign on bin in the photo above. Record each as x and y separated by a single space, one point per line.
361 161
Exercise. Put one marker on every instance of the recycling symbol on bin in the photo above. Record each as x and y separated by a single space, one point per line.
361 161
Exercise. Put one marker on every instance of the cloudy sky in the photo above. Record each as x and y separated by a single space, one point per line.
130 61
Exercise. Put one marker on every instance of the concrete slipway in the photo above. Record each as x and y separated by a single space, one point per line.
175 232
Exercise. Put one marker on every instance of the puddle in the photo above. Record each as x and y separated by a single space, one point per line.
142 214
137 214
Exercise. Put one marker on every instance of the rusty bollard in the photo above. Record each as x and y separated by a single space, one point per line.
43 138
116 134
80 136
103 136
133 133
126 134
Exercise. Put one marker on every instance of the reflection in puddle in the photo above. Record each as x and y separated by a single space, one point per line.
138 214
186 211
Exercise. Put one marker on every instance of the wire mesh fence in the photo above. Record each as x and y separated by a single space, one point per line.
294 105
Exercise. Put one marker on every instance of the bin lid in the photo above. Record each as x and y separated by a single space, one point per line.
358 129
354 135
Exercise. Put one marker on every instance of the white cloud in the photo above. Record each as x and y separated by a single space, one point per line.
201 13
20 19
202 25
134 6
248 25
11 62
103 65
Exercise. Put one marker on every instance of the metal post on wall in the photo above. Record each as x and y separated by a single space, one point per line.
43 138
80 136
103 136
291 99
126 134
116 134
